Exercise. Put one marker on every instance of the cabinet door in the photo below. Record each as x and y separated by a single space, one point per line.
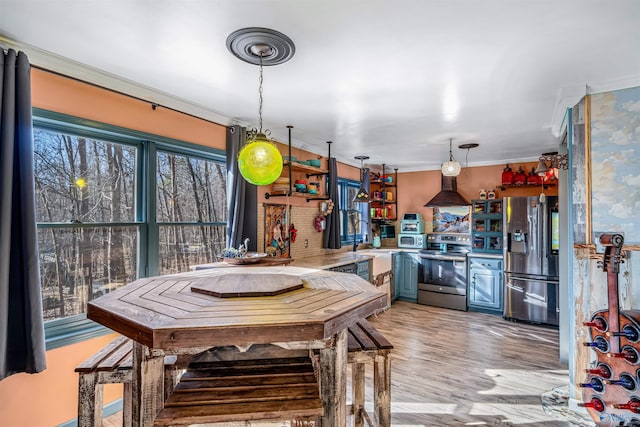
409 284
485 288
398 276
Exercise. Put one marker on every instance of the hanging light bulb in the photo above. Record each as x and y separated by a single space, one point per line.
259 160
450 168
361 196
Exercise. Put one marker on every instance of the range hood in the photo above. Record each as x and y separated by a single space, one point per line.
448 195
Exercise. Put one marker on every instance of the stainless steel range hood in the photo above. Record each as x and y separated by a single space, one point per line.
448 195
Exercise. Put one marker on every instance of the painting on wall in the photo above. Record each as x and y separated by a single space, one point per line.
615 163
276 231
452 219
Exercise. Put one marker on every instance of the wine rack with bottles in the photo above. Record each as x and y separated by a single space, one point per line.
611 388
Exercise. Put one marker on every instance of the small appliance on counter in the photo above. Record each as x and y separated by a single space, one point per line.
412 232
411 223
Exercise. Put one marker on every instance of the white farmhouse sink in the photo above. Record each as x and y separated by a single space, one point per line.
381 261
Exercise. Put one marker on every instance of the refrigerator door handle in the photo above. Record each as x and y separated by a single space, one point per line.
515 288
534 280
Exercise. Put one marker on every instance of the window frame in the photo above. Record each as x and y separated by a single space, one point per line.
345 237
77 328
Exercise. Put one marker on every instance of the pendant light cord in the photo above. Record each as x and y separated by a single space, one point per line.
260 97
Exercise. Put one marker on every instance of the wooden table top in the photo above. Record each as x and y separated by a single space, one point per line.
164 313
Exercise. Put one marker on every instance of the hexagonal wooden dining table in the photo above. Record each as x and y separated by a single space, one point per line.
186 313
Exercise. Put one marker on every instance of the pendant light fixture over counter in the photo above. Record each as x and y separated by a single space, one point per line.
259 160
451 168
362 196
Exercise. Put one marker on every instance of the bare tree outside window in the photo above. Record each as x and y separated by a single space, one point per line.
88 219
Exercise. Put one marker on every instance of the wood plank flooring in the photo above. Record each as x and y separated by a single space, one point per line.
452 368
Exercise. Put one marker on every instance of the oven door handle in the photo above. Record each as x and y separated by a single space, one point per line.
443 257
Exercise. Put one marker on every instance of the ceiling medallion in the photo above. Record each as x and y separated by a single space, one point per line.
254 43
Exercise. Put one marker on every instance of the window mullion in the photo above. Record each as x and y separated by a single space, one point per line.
152 229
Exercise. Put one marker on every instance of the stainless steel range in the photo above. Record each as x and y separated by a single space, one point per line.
442 280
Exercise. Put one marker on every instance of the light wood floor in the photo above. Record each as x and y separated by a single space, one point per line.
452 368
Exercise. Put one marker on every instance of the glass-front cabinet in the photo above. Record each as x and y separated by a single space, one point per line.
486 226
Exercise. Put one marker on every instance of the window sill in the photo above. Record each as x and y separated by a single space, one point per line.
62 332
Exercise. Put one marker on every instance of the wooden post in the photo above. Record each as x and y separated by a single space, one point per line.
357 393
333 384
89 400
382 389
147 386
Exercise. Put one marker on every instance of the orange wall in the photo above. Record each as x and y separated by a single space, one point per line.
64 95
50 398
417 188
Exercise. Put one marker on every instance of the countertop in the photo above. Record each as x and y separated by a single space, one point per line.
324 262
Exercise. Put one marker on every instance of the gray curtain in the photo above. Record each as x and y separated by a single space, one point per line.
22 346
366 184
332 231
242 198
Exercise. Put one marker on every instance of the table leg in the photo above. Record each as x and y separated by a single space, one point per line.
147 386
333 384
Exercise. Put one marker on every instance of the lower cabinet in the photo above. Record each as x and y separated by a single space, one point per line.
405 276
485 289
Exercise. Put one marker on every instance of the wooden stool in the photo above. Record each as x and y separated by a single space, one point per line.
111 365
225 391
367 344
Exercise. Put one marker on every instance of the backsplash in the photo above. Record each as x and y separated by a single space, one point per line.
308 241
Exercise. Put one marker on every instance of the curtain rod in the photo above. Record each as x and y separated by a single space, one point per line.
154 105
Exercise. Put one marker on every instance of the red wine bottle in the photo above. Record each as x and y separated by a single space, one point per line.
599 343
595 403
597 322
625 381
602 370
628 353
594 383
630 332
632 405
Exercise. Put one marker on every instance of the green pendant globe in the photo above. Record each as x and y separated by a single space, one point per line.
260 162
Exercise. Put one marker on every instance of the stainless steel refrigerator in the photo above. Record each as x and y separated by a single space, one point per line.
531 239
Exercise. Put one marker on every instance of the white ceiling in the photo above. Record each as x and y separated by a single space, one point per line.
390 79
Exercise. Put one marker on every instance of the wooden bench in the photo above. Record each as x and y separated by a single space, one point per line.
367 344
111 365
247 390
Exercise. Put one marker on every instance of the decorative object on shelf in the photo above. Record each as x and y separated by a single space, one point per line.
520 177
361 196
507 176
259 160
483 193
491 195
533 178
451 167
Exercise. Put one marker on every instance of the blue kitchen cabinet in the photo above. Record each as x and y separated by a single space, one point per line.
485 289
486 226
405 276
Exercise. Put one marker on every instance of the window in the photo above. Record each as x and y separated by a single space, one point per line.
352 214
113 205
